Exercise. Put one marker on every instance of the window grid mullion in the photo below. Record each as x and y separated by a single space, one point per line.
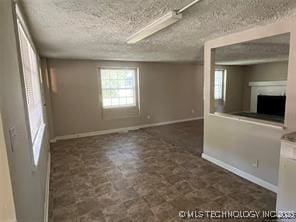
123 96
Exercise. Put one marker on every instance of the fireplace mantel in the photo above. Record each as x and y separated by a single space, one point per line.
274 88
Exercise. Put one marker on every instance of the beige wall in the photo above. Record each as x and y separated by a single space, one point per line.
239 143
234 90
28 183
238 92
276 71
168 92
7 210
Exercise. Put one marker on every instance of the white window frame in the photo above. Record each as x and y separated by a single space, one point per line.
135 89
34 142
223 89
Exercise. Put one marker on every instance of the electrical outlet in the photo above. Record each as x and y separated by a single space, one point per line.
192 111
148 117
255 164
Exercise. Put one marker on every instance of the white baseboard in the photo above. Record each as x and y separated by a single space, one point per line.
102 132
240 173
46 199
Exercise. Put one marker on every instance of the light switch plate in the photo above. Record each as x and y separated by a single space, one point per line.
12 135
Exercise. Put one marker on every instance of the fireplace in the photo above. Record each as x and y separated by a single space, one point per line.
271 105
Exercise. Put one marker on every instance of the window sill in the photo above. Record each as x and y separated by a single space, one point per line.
249 120
38 144
119 107
120 113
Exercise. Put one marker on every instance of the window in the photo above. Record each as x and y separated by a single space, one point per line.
219 84
119 87
32 90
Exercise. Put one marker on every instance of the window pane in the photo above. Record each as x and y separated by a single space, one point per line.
218 93
118 87
32 83
107 102
123 101
106 94
115 101
130 100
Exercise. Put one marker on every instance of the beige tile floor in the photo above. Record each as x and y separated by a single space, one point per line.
144 175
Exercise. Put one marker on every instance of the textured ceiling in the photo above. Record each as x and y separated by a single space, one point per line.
98 29
271 49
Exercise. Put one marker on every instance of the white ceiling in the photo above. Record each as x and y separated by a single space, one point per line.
98 29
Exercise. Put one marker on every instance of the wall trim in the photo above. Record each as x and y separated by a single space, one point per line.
46 199
240 173
268 83
118 130
259 122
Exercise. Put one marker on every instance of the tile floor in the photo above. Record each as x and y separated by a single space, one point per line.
187 136
144 175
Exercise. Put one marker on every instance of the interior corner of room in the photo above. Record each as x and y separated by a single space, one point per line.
124 110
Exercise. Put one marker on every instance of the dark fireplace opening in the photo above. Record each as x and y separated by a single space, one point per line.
270 108
271 105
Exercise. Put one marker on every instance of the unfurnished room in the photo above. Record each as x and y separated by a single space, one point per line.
155 110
